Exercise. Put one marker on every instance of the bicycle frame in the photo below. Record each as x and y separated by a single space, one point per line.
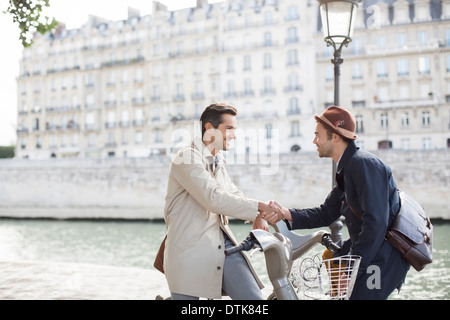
281 249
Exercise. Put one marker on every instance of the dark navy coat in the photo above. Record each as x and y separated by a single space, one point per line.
365 184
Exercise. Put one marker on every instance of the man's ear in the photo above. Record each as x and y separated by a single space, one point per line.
208 126
336 137
209 132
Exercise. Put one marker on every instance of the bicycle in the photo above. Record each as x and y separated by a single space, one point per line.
293 278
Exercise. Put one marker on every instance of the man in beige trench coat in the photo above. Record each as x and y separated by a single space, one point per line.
200 196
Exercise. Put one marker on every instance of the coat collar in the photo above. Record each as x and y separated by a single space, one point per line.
348 153
198 144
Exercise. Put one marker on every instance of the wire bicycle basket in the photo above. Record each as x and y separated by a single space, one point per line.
325 279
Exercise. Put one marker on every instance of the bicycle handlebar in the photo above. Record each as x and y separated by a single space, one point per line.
250 243
328 242
246 245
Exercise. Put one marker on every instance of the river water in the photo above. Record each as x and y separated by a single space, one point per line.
130 244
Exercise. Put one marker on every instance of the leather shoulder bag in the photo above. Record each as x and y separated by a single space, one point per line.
411 233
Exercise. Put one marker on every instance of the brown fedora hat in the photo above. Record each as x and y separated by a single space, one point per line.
339 120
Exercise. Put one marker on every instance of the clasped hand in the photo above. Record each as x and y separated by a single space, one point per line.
268 213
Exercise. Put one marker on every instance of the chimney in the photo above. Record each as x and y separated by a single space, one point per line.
133 12
158 6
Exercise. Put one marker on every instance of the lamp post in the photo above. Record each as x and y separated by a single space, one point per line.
338 22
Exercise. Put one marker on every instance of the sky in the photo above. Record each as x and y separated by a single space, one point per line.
74 14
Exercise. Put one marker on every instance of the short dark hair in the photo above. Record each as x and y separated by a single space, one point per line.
213 114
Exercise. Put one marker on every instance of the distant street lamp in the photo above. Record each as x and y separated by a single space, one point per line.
338 22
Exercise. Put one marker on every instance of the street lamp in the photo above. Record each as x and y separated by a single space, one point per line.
338 22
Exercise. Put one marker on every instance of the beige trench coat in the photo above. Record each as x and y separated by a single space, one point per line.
197 203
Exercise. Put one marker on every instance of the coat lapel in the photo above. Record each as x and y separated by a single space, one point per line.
206 153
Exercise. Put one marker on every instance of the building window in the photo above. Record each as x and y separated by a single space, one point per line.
230 88
268 19
383 94
179 95
381 42
267 61
230 65
329 73
111 139
292 84
405 144
422 37
91 140
267 39
357 71
425 91
38 142
426 143
179 48
295 129
382 69
138 137
403 92
156 96
90 121
402 67
111 79
426 121
292 57
248 20
359 124
401 39
53 143
292 36
23 143
138 117
247 63
36 124
138 76
384 120
124 77
384 144
111 121
124 99
447 37
405 120
292 13
357 46
293 108
124 136
158 136
269 131
156 115
268 85
248 87
424 65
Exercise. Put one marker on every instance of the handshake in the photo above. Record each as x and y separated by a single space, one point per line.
270 212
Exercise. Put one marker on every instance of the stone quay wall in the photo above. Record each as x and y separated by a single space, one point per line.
135 188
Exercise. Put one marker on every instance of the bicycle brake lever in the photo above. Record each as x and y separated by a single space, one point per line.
257 248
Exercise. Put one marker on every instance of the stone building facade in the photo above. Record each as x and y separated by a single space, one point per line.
137 87
396 75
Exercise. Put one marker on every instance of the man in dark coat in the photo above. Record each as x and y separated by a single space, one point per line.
366 195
